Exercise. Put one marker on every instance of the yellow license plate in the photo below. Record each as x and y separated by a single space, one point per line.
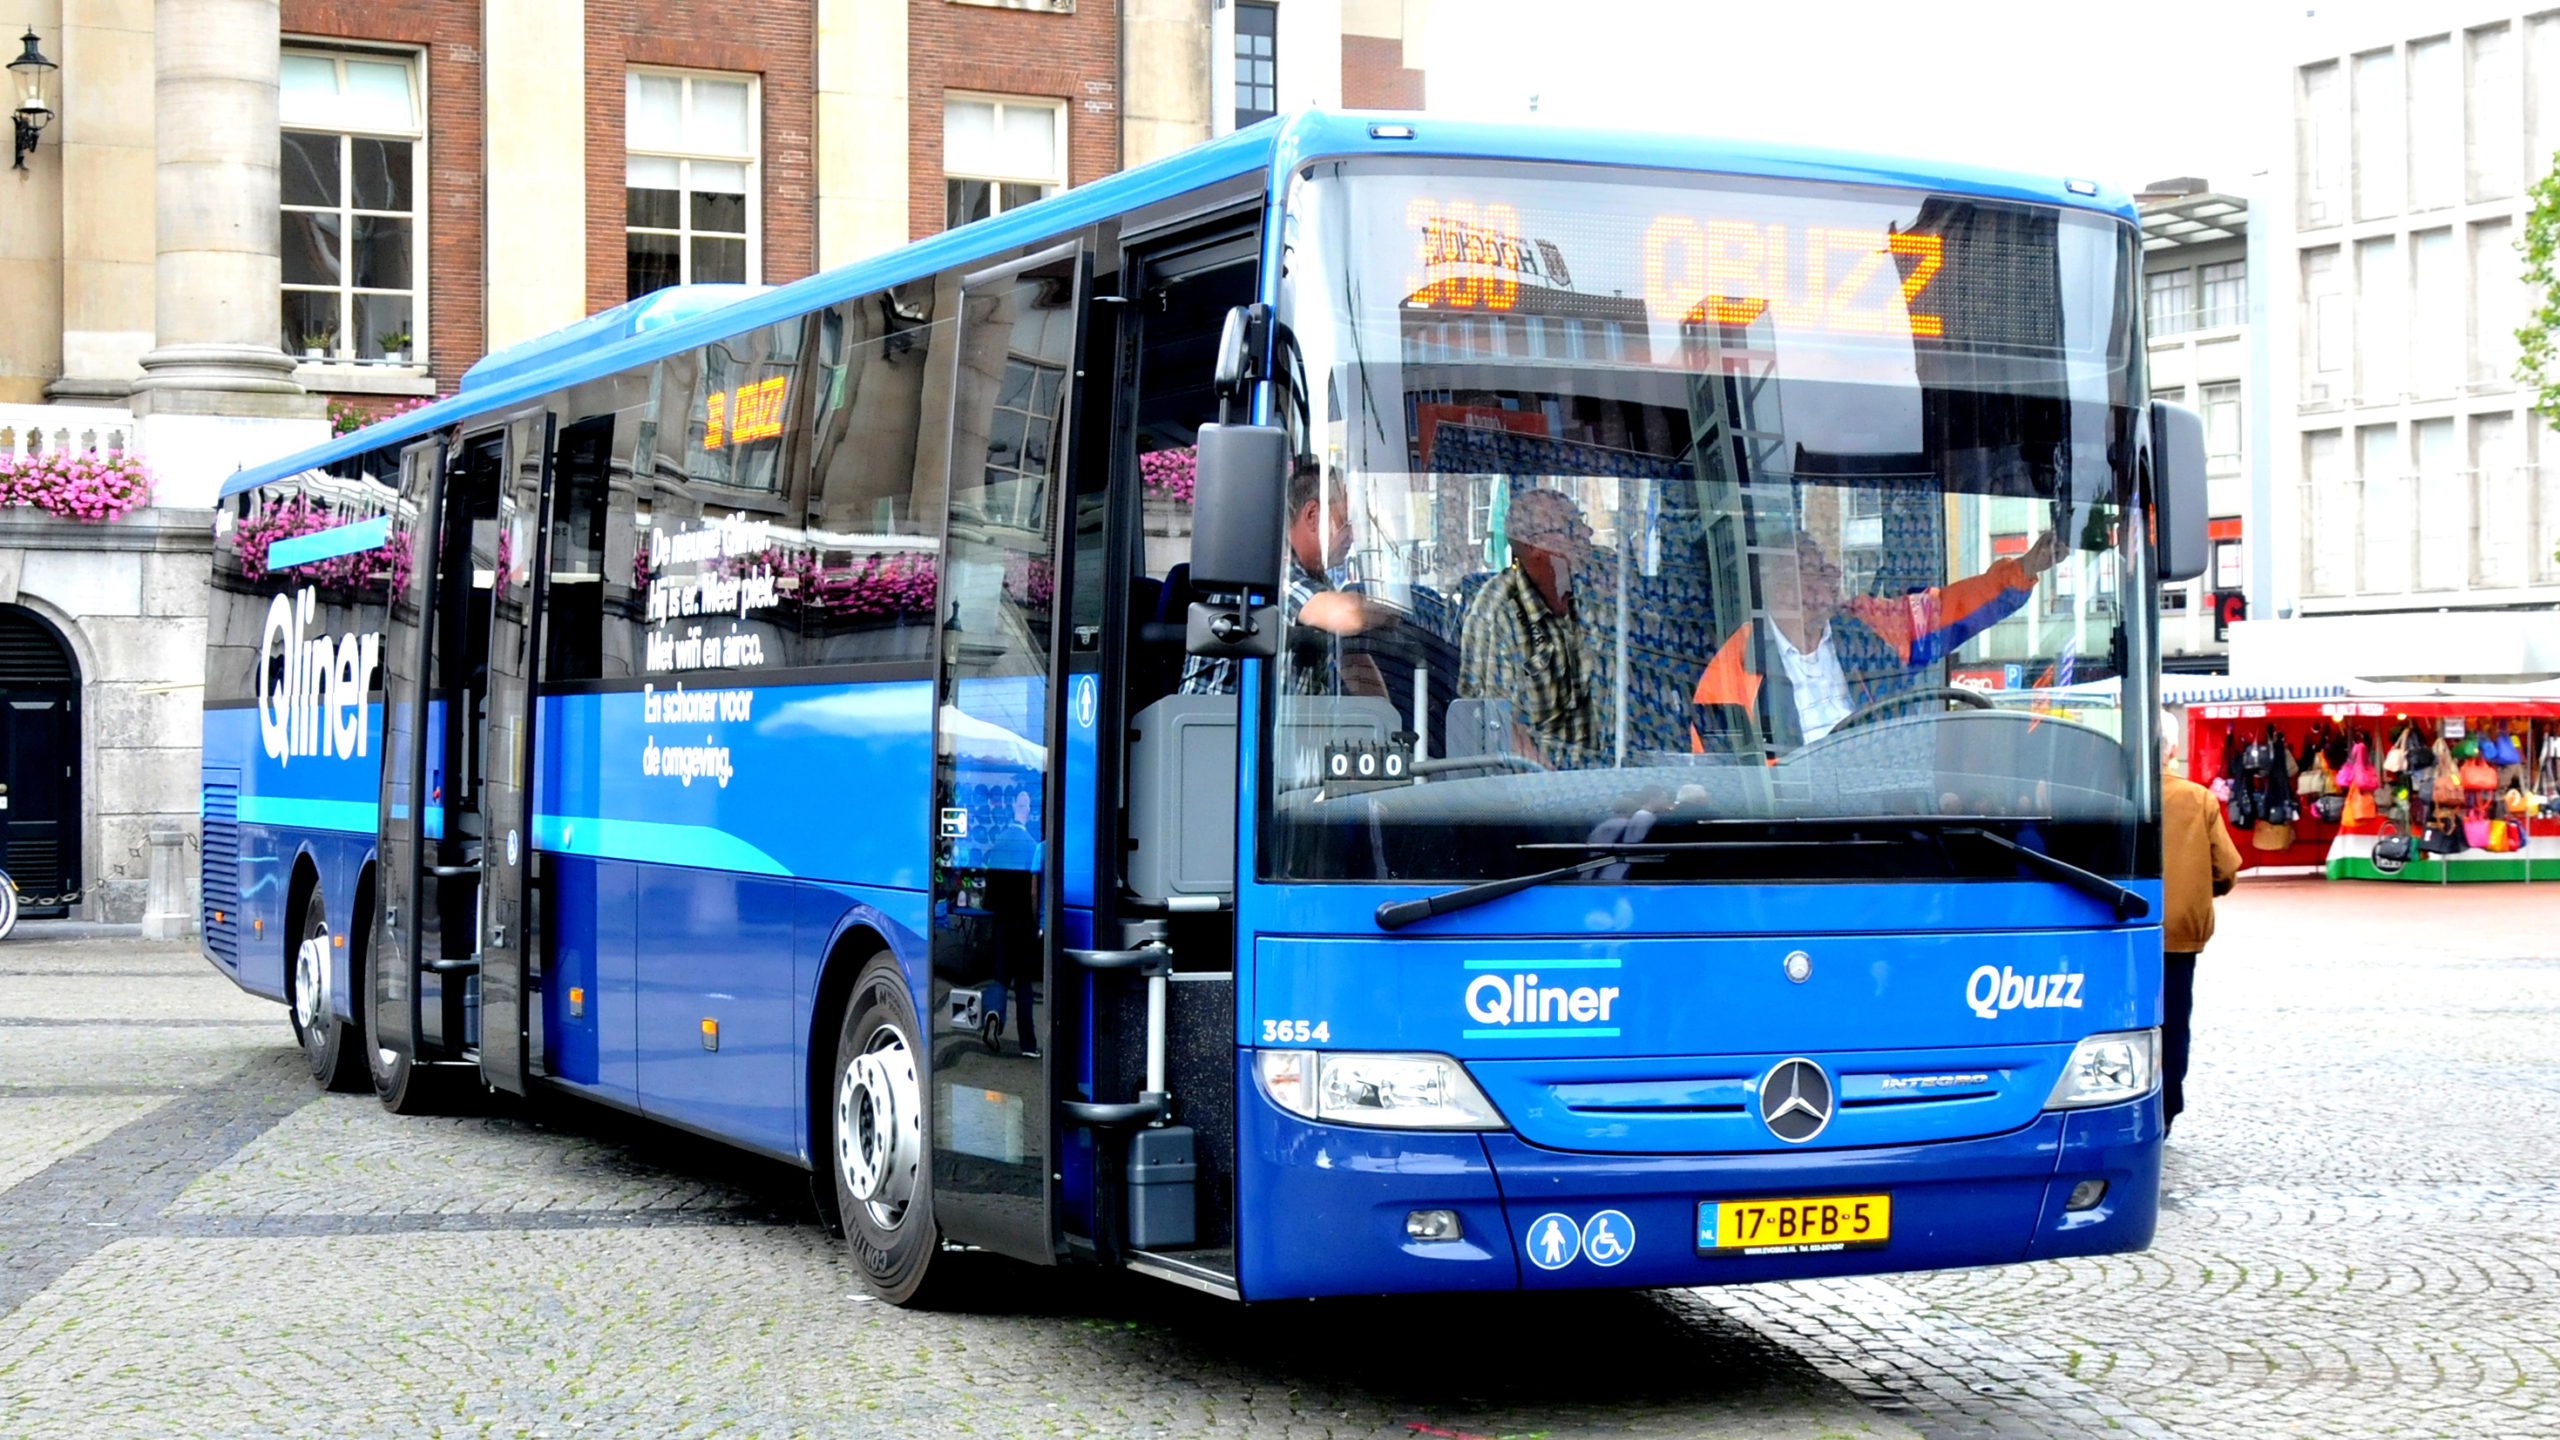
1812 1226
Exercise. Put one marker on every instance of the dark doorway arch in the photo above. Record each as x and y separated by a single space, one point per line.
39 762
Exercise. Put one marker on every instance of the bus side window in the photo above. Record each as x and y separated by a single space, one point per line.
581 498
869 584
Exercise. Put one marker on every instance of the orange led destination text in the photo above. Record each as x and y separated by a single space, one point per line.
750 412
1731 272
1455 233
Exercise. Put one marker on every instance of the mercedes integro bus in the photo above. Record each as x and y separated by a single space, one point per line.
1380 705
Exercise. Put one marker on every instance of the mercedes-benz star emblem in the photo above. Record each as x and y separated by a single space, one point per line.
1795 1100
1799 966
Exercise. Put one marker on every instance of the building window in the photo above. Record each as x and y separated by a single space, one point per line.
998 154
2221 426
2172 301
1257 62
689 204
348 166
2225 292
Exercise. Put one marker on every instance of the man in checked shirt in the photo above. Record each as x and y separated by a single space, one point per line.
1521 641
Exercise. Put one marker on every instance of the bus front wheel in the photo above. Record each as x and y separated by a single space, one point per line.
877 1147
331 1046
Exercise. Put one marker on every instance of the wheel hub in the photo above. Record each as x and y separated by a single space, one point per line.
311 981
880 1128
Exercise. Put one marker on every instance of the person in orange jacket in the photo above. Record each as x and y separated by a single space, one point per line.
2197 863
1776 683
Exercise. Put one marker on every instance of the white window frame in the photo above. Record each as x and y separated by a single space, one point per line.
753 159
1057 180
341 370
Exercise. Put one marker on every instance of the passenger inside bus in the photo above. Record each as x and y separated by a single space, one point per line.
1320 539
1522 643
1778 683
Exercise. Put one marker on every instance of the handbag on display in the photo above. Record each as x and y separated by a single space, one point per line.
2357 806
2271 835
2329 809
2357 773
2505 836
2395 759
2445 784
2392 847
2443 835
2221 788
2475 831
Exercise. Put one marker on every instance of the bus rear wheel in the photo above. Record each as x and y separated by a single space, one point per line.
877 1148
329 1045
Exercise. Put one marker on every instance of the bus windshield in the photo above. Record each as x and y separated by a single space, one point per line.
1790 531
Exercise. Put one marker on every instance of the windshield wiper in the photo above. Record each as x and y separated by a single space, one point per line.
1397 914
2127 904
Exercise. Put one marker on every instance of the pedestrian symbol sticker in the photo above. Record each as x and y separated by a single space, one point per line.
1608 1237
1553 1241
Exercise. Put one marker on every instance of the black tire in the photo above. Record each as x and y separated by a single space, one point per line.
875 1142
8 907
404 1086
334 1048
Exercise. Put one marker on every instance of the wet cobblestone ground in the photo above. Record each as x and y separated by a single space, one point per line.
2360 1235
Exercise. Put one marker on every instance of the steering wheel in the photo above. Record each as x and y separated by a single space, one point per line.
1955 694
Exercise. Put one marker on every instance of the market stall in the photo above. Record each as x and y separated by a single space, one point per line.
2388 782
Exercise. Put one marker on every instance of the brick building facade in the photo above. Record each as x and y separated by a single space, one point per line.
366 196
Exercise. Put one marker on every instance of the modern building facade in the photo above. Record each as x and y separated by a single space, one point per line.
2416 496
252 219
2196 322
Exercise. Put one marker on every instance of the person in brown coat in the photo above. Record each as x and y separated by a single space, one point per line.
2197 863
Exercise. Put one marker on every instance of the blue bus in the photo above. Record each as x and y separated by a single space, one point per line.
1381 705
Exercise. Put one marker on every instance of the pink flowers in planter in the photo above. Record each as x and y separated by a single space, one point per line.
298 517
89 488
1169 473
900 583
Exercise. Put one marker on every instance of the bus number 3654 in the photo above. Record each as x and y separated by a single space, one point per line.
1282 1031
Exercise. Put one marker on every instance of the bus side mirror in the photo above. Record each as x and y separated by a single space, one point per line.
2178 502
1239 488
1240 346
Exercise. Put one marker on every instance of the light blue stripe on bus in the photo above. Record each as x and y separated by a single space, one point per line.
1547 964
329 544
354 815
1547 1032
700 846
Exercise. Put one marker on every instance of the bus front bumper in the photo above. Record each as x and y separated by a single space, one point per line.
1323 1208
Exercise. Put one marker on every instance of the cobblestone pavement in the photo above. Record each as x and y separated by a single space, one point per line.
2360 1234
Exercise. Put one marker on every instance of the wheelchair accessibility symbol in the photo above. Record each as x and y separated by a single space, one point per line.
1608 1237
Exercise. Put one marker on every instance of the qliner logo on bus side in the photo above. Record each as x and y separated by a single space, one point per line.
314 702
1516 1002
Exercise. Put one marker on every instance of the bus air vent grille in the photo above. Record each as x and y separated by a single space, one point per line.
222 869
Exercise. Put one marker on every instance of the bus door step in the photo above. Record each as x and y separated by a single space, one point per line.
1212 1272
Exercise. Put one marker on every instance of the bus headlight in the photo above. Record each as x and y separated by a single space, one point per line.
2108 1070
1400 1092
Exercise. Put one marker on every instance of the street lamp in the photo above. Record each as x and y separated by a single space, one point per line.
33 112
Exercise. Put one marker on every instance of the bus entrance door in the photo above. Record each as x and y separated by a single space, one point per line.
449 974
996 808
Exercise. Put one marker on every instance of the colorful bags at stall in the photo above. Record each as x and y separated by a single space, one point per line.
2358 772
2478 774
2358 807
2445 776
